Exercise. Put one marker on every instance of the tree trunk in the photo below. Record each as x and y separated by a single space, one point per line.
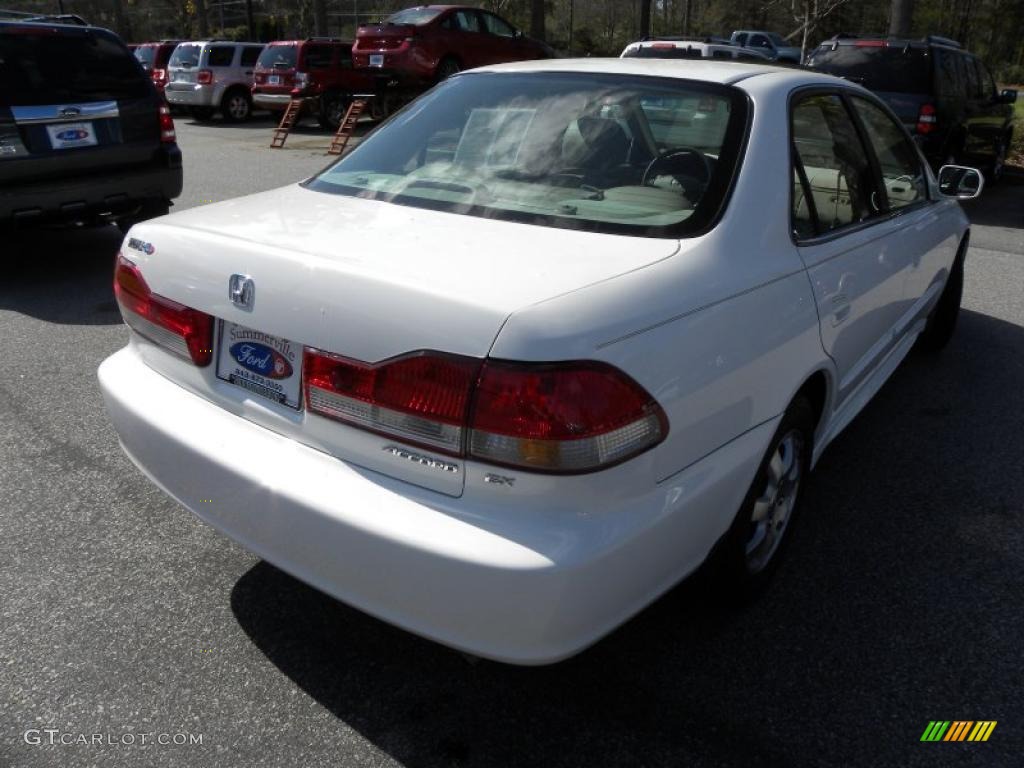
204 23
320 17
645 18
120 24
537 19
686 16
901 17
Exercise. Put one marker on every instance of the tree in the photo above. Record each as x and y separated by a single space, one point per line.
645 18
537 12
320 17
901 17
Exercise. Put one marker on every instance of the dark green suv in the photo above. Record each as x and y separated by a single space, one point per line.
944 95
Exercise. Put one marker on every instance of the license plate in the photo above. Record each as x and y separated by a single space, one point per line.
376 59
266 365
70 135
273 79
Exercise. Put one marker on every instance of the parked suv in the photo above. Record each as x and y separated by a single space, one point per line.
775 46
317 70
213 75
83 133
154 57
431 42
944 95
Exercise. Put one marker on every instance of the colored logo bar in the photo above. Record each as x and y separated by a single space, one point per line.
958 730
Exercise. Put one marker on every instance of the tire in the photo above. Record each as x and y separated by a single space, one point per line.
202 114
942 321
447 67
149 209
751 550
995 171
236 106
332 110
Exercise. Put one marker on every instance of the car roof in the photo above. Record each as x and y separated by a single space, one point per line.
708 70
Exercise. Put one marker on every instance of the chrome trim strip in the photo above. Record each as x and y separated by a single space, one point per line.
65 113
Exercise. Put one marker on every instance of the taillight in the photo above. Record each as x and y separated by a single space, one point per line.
204 77
420 398
159 75
561 417
301 80
926 119
550 417
182 330
167 133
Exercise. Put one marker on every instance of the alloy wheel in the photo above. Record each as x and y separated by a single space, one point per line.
774 506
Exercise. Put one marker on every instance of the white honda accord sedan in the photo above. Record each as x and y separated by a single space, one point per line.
543 343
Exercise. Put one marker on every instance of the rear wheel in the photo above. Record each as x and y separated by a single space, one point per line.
236 105
449 66
942 321
752 548
332 110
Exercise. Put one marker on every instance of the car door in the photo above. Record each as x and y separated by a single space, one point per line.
919 235
844 235
763 44
502 43
468 42
250 55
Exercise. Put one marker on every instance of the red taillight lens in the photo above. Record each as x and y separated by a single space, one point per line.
420 398
204 77
159 76
563 417
167 132
185 331
926 119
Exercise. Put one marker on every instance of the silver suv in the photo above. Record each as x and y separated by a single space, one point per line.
210 75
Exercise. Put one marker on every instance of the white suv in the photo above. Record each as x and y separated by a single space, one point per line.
211 75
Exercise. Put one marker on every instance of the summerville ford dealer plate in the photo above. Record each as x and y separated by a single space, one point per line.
266 365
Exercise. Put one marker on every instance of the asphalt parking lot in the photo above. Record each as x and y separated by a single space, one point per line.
901 600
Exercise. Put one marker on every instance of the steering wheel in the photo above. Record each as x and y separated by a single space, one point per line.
689 167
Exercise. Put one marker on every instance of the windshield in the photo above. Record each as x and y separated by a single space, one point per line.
51 69
185 56
146 54
415 16
636 155
896 69
278 57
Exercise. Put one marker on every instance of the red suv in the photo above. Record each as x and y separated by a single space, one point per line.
154 57
318 70
431 42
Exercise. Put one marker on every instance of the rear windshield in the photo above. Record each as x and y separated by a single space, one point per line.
634 155
414 16
51 69
278 57
895 69
146 54
185 56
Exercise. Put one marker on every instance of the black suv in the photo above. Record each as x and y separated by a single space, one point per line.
943 94
84 135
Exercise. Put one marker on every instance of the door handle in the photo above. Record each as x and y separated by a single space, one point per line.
840 308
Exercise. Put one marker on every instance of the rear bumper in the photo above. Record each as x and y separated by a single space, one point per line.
77 198
275 102
187 95
514 585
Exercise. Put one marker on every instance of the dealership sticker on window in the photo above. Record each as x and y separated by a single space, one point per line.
69 135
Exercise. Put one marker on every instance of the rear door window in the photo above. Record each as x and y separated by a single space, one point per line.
986 86
877 66
902 172
973 83
834 163
250 55
146 54
75 67
317 57
951 74
220 56
467 21
497 26
760 41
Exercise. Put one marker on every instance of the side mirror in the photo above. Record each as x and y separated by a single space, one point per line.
519 33
1009 96
960 182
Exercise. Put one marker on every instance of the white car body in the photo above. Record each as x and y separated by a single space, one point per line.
722 329
695 49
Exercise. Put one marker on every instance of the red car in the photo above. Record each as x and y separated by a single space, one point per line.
428 43
317 70
154 58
